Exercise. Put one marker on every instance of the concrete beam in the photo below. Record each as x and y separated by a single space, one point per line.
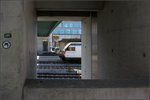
69 5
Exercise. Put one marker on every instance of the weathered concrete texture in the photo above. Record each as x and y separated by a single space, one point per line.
11 70
30 39
14 17
86 48
86 94
68 5
89 94
124 40
124 46
94 47
86 90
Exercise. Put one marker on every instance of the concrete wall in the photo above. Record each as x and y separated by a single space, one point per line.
69 5
123 30
40 44
124 40
16 63
31 37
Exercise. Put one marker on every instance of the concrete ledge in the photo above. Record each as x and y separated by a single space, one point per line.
86 90
86 94
37 83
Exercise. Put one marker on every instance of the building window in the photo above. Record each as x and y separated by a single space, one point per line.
74 31
79 31
80 24
60 25
71 49
55 31
77 25
71 24
61 31
65 24
67 31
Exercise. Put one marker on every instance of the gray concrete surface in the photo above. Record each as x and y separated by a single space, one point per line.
86 90
123 50
18 62
73 5
87 94
86 49
124 40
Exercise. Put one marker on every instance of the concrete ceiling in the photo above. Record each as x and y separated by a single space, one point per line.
69 5
59 18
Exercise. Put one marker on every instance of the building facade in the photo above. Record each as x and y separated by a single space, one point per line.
66 30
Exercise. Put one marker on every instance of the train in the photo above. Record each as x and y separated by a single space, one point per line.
72 51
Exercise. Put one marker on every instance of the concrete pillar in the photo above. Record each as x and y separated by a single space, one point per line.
18 62
94 46
124 40
89 48
86 48
31 38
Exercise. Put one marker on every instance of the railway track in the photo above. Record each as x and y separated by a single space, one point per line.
58 70
59 76
59 66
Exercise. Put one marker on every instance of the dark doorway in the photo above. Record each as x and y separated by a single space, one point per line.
45 45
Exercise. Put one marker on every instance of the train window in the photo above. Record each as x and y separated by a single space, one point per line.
67 49
72 49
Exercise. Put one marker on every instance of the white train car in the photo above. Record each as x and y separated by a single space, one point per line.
72 51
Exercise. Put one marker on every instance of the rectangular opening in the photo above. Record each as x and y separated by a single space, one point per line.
61 55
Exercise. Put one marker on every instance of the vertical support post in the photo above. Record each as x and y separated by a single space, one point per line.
86 48
94 45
